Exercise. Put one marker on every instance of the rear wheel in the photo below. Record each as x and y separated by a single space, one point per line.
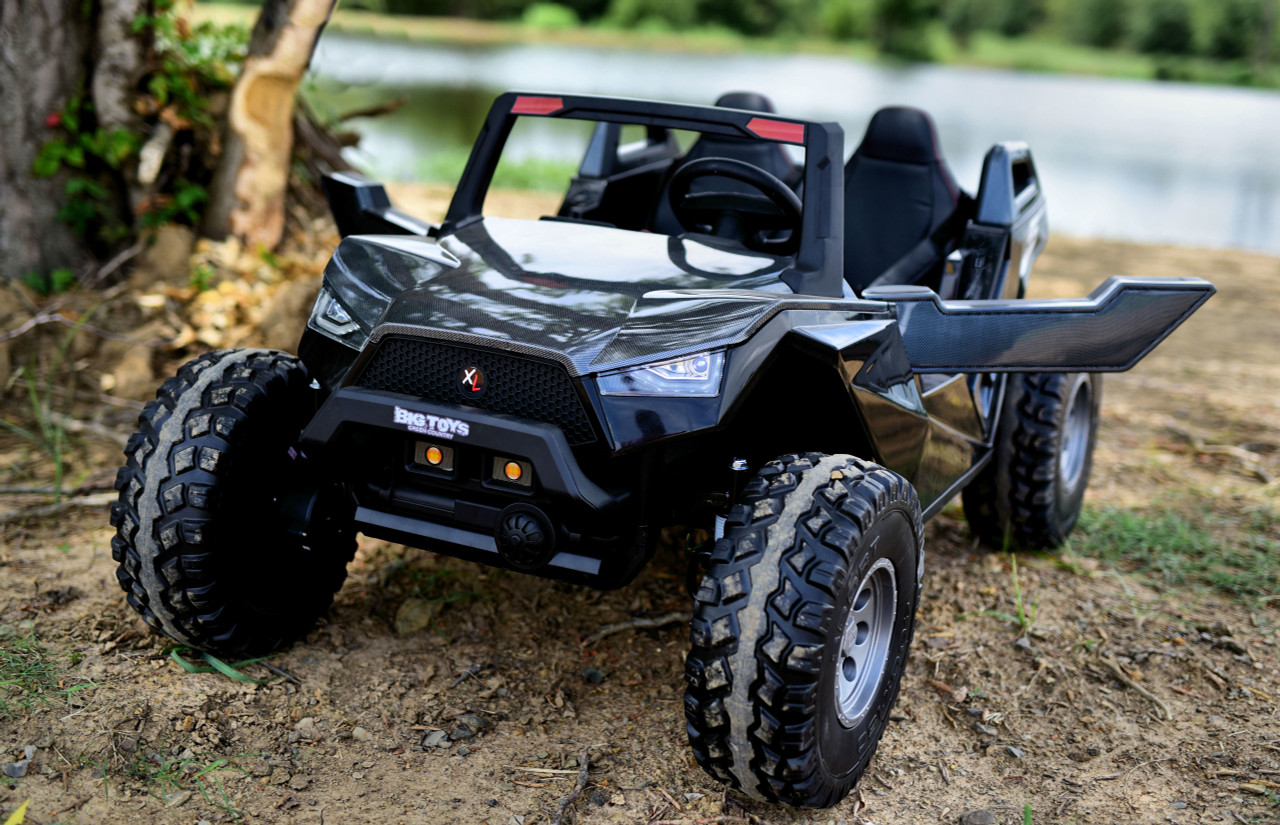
205 552
801 628
1032 491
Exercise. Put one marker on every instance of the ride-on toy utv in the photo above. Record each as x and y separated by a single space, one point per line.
741 333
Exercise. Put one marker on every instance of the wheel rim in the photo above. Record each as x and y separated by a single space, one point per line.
865 641
1075 437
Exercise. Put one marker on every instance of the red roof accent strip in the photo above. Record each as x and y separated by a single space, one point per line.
776 130
536 105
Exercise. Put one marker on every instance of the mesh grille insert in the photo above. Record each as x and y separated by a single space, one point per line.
517 386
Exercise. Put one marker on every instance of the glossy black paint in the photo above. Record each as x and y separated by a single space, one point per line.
903 377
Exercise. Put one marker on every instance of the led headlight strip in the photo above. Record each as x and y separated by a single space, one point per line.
693 376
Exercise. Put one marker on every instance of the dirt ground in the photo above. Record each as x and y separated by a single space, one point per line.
1065 722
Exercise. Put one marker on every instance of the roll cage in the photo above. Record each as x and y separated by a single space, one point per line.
818 265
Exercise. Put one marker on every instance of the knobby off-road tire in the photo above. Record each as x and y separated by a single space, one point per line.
810 600
203 553
1030 493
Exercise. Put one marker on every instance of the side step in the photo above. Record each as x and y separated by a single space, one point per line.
1110 331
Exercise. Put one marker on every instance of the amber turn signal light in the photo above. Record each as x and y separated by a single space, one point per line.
513 471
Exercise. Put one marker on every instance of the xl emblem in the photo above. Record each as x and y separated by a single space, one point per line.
474 383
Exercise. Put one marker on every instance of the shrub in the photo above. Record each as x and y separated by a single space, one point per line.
845 19
653 14
1233 31
1168 29
550 16
1103 23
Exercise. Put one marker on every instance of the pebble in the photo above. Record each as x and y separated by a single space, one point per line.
594 675
982 816
463 750
492 803
29 751
299 782
357 775
1014 751
16 770
306 728
360 734
597 797
1178 806
173 800
476 723
435 739
462 732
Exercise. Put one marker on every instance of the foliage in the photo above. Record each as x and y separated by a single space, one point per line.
1234 29
45 284
1168 29
845 19
900 27
1017 17
185 66
653 14
550 16
1102 23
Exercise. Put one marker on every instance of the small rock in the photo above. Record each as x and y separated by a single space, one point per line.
306 728
462 732
597 797
463 750
987 729
594 675
476 723
982 816
492 803
173 800
360 734
434 739
415 615
279 776
692 797
357 775
299 782
1014 751
28 752
16 770
506 787
1178 806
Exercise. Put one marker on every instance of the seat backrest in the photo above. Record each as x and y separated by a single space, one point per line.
897 191
766 154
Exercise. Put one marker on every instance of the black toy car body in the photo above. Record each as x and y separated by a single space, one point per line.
804 361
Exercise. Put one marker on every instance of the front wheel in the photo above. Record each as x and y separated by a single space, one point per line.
1031 492
206 554
801 628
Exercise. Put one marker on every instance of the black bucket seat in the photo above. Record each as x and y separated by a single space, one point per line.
902 208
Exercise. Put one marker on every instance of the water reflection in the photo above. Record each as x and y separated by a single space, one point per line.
1140 161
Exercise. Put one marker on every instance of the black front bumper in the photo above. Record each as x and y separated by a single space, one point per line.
369 436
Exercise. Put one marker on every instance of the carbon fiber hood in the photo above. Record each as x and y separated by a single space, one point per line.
590 297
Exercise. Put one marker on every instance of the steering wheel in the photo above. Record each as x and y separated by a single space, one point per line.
742 215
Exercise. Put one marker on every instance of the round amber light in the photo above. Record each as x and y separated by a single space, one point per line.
513 470
434 456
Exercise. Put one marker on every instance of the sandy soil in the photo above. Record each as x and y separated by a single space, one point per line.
1068 719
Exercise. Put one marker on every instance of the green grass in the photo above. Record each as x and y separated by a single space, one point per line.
163 777
529 174
29 676
1024 616
1199 546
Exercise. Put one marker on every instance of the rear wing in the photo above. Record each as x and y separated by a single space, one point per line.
1109 331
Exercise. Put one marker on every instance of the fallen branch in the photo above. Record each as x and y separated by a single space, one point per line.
44 510
584 765
675 617
1129 682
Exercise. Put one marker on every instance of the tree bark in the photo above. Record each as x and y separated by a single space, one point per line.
247 196
43 49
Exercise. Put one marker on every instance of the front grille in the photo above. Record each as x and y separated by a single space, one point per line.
516 386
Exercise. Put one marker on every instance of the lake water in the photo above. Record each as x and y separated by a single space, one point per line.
1151 162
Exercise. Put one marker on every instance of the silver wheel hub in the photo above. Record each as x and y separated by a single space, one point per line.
864 643
1075 437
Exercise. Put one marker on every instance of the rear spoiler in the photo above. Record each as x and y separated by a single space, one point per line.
1110 331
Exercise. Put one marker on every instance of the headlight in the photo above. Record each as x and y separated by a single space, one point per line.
331 318
694 376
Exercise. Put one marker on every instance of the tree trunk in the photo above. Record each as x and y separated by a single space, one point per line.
247 196
43 51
